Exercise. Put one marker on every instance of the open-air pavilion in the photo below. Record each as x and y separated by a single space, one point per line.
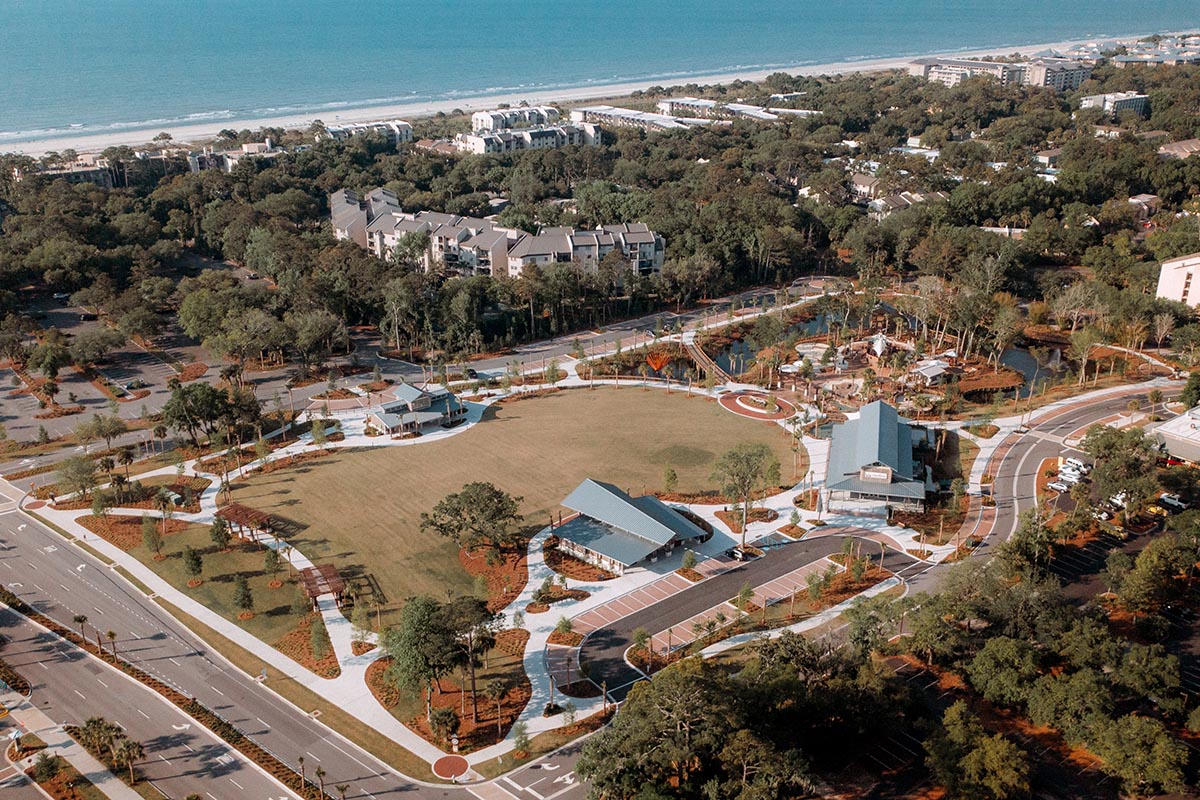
245 522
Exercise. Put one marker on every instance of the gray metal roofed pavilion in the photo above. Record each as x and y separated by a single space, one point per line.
615 531
871 459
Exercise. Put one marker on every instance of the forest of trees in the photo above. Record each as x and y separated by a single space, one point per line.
724 197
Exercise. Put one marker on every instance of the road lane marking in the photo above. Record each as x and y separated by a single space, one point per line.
102 683
310 755
235 783
143 713
218 691
76 691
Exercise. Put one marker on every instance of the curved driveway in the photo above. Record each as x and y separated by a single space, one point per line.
604 650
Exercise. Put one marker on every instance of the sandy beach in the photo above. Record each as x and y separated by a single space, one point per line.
208 130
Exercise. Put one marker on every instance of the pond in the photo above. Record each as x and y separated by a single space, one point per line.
1023 362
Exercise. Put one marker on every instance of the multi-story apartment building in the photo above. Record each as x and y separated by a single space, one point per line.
1055 73
712 109
1060 74
1116 102
474 246
547 137
953 71
1179 280
396 131
86 169
500 119
618 117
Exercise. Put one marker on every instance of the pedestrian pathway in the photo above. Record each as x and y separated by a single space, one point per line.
58 743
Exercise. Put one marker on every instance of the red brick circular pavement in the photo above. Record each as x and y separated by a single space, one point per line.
450 767
730 403
36 504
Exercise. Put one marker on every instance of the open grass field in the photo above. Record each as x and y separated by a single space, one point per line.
361 510
273 615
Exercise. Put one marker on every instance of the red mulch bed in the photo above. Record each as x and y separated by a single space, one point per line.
375 386
361 648
795 531
55 412
296 645
571 639
690 574
569 565
512 641
734 519
713 498
336 394
506 579
177 485
580 689
556 594
124 531
192 372
471 735
512 398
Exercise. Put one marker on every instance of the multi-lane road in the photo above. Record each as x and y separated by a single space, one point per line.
62 581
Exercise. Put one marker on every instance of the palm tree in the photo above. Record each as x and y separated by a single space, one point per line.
80 620
119 482
160 433
125 457
125 753
342 788
495 690
112 641
303 780
321 779
1155 397
96 734
107 465
164 503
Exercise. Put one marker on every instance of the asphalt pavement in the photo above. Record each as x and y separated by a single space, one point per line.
181 758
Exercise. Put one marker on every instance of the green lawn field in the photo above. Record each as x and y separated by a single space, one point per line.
361 509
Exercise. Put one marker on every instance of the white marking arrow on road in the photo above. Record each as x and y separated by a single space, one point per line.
184 727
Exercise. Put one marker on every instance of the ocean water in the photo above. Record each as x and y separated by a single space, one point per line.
96 66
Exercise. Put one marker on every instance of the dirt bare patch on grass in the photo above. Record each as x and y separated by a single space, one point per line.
297 645
574 568
125 531
505 578
733 519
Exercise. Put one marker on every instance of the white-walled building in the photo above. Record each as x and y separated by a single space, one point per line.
227 160
1178 279
697 107
1116 102
618 117
1055 73
474 246
547 137
396 131
499 119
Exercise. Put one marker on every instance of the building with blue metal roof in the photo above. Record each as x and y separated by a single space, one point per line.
615 531
871 459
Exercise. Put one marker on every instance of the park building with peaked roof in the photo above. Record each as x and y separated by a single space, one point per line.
615 531
871 462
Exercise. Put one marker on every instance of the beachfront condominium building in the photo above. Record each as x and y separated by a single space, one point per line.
543 137
396 131
499 119
1055 73
87 168
953 71
1179 280
474 246
1116 102
700 108
618 117
1060 74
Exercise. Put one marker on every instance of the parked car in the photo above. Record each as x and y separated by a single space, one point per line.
137 383
87 316
1101 514
252 276
1157 510
1119 500
1171 461
1077 464
472 374
62 296
736 553
1172 502
1058 486
1069 478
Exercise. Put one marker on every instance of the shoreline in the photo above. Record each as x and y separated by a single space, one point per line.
194 132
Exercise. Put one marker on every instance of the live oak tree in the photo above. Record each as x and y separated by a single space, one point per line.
742 470
972 765
479 514
422 648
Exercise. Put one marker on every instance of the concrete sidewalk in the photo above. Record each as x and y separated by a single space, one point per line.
58 743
